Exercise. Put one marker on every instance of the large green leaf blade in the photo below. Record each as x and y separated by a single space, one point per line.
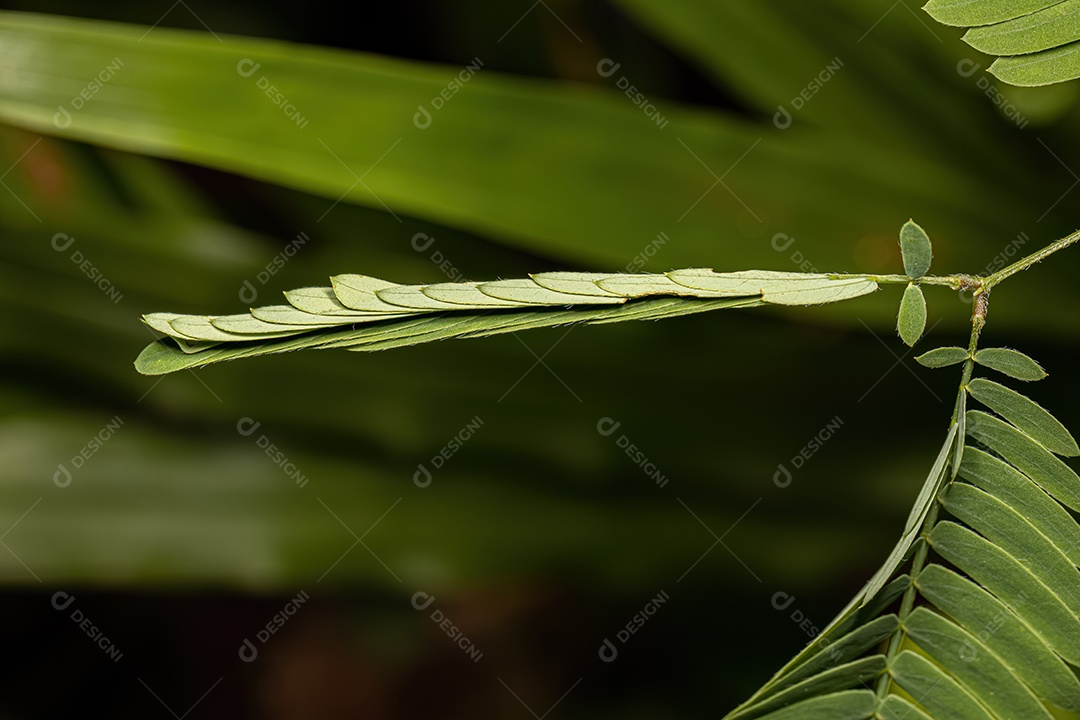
1026 415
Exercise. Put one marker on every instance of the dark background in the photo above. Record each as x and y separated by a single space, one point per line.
539 538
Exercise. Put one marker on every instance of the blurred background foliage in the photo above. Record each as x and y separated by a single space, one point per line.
180 180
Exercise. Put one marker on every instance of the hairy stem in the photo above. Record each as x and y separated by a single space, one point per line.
907 603
1025 263
969 282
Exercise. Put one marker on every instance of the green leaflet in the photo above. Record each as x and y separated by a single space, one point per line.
1012 640
364 313
162 357
1027 456
915 249
1010 362
918 514
1026 415
895 707
1014 584
1048 28
974 666
841 677
942 357
936 691
845 625
1036 41
1048 67
961 433
844 650
846 705
1017 491
911 320
1014 534
968 13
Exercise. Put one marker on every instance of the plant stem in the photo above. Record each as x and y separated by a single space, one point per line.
1025 263
907 603
969 282
955 282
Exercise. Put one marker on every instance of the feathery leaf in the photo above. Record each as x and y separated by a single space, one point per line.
363 313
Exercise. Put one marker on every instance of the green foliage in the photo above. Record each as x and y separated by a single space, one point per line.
1008 503
1037 41
1010 362
911 320
1026 415
942 357
363 313
992 642
915 249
